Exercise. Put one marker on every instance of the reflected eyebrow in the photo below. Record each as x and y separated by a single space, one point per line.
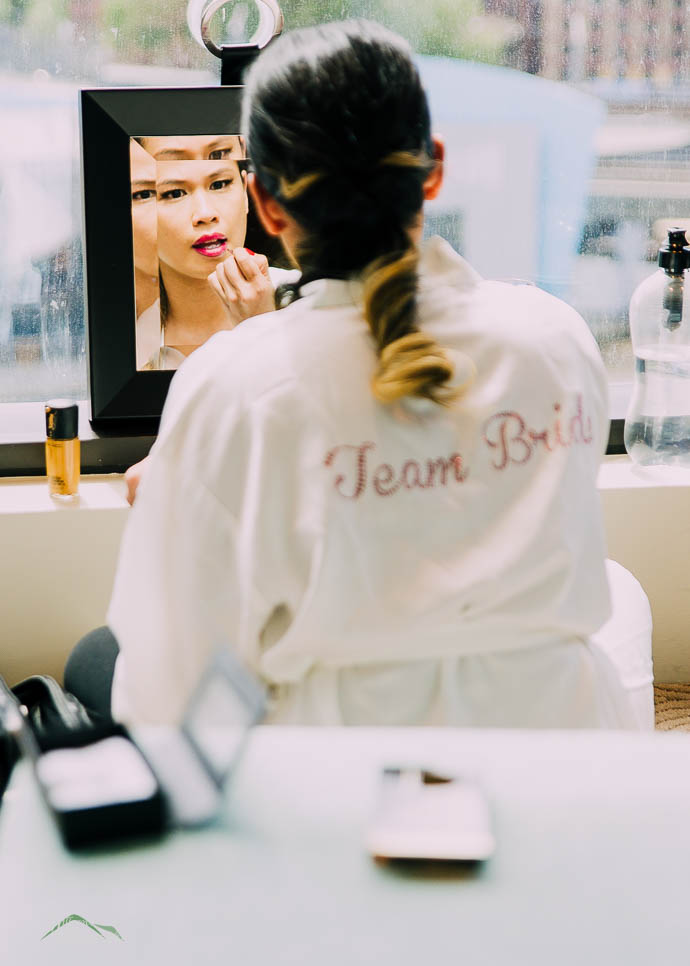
173 154
229 143
144 184
222 172
213 176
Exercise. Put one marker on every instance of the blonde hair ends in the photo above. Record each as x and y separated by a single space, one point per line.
411 363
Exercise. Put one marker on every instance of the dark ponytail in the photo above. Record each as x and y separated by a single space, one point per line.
338 131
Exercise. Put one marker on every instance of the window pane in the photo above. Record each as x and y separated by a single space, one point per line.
41 327
48 51
566 122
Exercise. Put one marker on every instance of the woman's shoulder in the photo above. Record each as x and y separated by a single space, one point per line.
446 276
535 331
510 319
524 306
528 316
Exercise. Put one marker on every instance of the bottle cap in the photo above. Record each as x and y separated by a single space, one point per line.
62 419
674 256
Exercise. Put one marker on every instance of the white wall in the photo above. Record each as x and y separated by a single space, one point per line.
57 563
647 514
56 570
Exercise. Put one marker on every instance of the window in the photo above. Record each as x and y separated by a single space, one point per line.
581 159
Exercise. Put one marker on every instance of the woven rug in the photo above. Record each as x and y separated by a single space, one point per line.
672 707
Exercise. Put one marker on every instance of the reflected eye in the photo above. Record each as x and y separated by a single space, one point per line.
146 194
220 184
172 194
220 154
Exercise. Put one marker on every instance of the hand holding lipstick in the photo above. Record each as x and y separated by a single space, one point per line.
243 285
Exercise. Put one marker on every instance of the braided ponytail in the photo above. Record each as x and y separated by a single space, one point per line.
411 363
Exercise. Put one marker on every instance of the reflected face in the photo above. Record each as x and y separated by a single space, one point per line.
195 147
202 213
144 221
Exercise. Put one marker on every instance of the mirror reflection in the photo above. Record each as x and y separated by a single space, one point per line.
189 213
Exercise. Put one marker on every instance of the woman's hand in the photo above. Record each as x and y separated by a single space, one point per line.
133 478
243 285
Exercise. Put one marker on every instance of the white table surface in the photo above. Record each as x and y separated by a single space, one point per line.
592 863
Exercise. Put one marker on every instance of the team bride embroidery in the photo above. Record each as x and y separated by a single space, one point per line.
513 441
385 479
506 434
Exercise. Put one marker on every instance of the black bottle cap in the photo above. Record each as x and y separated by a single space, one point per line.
674 256
62 419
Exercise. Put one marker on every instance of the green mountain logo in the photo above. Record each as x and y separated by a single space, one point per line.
96 926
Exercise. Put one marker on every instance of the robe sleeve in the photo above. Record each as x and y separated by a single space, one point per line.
180 591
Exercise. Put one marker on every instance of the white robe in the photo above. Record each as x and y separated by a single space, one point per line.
378 565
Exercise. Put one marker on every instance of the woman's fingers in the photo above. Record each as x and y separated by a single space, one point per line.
247 263
262 262
230 277
244 285
250 263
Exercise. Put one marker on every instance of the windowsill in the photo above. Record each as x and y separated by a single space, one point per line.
620 473
107 491
30 495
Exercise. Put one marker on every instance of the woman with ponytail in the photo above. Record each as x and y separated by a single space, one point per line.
382 496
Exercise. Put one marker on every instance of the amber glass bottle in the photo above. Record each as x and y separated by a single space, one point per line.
62 447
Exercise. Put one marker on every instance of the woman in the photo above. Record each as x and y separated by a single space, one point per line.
382 497
200 205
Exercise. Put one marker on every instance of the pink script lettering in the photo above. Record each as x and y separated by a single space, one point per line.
354 475
514 442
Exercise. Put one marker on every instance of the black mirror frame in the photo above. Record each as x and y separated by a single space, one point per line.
109 117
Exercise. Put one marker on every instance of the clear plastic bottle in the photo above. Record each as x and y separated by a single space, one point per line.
657 424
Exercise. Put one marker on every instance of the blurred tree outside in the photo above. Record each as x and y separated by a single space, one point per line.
35 15
450 28
150 32
147 32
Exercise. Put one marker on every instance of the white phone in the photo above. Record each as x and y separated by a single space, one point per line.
422 815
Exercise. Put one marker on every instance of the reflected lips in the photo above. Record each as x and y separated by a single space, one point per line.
211 245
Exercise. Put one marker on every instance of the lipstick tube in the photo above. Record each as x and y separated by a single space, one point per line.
62 447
